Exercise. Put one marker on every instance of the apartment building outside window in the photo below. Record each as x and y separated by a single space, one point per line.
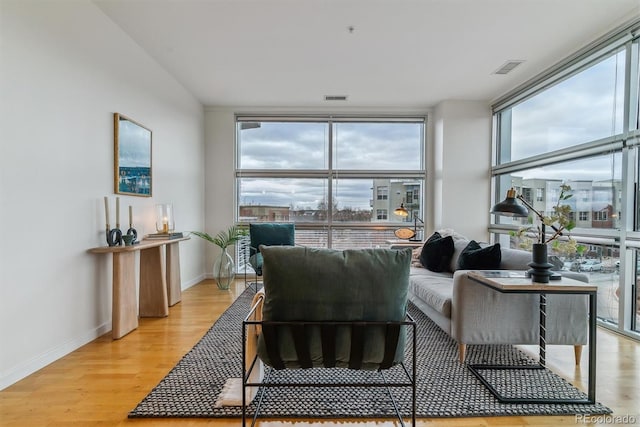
577 124
338 178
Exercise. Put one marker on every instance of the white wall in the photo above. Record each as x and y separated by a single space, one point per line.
65 68
460 171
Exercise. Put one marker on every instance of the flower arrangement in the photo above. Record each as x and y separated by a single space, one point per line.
560 221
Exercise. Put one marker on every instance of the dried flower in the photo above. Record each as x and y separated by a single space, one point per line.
560 222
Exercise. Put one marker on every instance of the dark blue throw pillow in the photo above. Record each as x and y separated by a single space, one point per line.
475 257
437 252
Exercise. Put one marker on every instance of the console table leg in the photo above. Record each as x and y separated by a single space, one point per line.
124 309
153 283
174 291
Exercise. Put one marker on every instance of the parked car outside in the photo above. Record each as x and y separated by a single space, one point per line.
590 265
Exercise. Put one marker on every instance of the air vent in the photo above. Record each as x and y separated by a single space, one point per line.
335 97
508 66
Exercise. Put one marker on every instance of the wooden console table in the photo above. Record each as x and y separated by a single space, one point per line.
159 282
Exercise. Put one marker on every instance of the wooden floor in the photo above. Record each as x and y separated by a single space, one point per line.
98 384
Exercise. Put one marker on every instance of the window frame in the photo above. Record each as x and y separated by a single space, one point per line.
330 173
626 142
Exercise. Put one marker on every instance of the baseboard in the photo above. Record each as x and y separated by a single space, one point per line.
194 281
32 365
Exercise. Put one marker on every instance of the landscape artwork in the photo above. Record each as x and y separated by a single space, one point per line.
132 154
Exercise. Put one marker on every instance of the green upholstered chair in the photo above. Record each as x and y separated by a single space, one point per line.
268 234
327 308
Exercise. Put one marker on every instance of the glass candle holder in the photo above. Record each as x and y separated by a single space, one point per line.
165 222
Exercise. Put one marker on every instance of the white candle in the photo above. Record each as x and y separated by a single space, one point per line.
106 210
117 212
130 217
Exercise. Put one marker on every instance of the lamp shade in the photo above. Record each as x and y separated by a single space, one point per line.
510 206
401 211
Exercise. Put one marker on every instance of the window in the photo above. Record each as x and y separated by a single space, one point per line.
577 124
383 193
339 179
600 216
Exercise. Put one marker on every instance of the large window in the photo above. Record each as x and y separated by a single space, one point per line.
339 179
577 124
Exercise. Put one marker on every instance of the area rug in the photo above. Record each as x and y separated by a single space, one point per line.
445 387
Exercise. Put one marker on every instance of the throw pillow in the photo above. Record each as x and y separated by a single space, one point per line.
475 257
437 252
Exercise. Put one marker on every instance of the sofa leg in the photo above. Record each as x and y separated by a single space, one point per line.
462 352
577 351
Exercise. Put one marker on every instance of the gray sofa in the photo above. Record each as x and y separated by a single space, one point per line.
474 314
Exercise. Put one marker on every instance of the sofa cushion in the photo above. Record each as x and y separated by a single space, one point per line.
437 252
515 259
475 257
434 289
313 284
458 247
364 284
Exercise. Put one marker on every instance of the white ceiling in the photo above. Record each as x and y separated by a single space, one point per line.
401 53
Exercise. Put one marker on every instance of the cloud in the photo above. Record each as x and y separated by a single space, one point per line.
583 108
305 146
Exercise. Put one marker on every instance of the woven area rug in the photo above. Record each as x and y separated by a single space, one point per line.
445 388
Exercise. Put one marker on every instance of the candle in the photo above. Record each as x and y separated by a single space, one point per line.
130 217
117 212
106 210
165 225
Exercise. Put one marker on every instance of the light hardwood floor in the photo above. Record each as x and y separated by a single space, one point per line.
98 384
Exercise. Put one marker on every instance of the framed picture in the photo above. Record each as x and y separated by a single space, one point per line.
132 157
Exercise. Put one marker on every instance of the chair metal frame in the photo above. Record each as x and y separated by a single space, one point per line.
246 373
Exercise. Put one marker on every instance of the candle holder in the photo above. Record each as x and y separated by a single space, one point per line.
114 236
165 223
132 232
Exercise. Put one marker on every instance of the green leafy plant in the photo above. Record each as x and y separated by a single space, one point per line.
560 222
225 238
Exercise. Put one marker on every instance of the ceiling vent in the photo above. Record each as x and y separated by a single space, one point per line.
335 97
508 66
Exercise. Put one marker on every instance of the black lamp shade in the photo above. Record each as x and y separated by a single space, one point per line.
510 206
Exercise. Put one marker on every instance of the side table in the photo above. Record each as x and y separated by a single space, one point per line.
160 285
516 282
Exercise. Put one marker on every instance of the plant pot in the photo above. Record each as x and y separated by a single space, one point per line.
540 266
224 270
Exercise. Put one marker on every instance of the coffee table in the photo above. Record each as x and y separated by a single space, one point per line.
516 282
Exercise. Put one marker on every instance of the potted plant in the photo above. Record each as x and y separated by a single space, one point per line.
223 267
535 238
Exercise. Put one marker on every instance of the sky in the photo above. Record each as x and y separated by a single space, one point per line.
582 108
134 145
305 146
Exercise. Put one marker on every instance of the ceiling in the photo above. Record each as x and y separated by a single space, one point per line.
380 53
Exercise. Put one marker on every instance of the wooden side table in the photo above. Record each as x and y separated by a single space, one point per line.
160 285
516 282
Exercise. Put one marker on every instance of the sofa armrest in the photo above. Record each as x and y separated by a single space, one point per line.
481 315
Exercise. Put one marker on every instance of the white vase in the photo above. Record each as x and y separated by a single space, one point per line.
224 270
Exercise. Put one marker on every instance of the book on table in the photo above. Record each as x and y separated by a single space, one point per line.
164 236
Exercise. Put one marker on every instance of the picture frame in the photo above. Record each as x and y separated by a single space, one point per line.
132 157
